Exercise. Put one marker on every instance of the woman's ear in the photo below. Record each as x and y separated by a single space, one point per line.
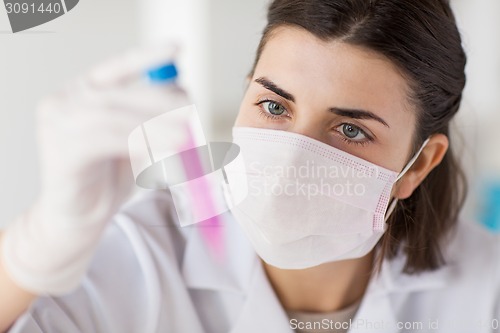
429 158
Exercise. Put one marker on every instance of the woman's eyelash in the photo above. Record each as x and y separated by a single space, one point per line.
265 113
356 142
359 143
268 115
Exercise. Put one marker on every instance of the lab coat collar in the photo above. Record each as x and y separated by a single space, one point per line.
262 311
242 272
393 280
377 311
202 269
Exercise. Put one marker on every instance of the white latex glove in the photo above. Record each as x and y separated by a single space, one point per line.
85 169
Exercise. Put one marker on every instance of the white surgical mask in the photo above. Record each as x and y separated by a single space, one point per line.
302 202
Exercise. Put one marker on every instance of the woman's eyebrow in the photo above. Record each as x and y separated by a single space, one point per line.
358 114
351 113
270 85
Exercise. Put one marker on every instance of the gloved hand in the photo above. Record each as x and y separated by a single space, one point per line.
85 169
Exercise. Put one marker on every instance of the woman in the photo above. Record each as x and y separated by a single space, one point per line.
362 85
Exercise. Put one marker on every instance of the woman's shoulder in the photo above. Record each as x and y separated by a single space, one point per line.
462 293
471 257
472 244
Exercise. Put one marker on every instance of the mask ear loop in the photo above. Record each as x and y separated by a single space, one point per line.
391 208
394 201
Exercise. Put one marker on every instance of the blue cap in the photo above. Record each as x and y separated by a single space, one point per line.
164 73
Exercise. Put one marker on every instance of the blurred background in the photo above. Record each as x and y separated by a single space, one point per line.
218 40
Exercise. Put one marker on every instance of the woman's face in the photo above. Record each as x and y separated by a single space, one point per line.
343 95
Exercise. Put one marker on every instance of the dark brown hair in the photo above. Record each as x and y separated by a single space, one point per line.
421 38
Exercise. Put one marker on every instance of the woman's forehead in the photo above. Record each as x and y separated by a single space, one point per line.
332 72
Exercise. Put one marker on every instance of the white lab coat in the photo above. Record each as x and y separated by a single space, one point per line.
149 275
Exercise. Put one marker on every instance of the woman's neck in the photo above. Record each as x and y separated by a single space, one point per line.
324 288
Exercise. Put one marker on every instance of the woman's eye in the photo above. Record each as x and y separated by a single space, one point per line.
274 108
352 132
